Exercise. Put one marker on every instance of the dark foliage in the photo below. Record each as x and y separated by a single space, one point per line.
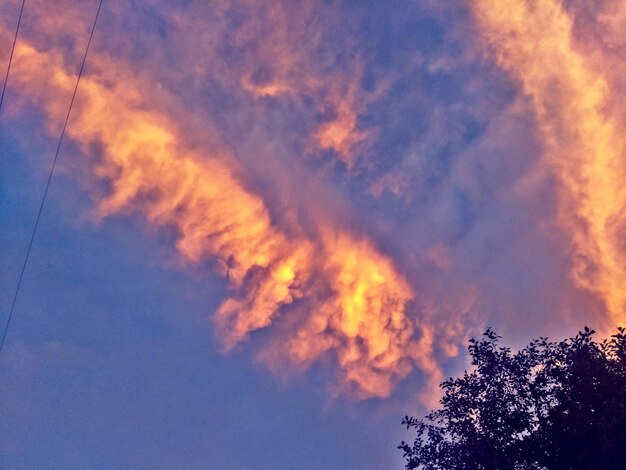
549 406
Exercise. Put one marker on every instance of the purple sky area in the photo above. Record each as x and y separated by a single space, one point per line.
378 137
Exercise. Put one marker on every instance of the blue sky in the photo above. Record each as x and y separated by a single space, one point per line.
393 177
110 362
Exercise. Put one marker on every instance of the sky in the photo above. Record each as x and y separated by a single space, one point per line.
273 226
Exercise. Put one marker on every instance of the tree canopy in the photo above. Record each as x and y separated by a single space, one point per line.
551 405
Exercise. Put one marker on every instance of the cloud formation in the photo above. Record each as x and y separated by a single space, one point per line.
582 138
359 299
373 183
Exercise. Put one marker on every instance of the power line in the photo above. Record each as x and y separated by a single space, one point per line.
6 77
54 162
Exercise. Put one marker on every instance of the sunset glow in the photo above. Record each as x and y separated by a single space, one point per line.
316 201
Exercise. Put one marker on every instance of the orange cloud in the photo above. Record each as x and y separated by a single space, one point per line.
286 60
363 319
341 133
584 142
356 309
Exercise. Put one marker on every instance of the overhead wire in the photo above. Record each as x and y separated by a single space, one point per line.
6 76
54 162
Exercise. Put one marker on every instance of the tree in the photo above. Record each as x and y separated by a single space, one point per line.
548 406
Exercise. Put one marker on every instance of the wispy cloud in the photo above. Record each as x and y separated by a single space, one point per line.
352 297
583 141
369 201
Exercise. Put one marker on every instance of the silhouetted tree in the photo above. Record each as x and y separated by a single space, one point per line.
548 406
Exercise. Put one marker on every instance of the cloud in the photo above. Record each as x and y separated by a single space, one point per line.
373 183
358 299
583 142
